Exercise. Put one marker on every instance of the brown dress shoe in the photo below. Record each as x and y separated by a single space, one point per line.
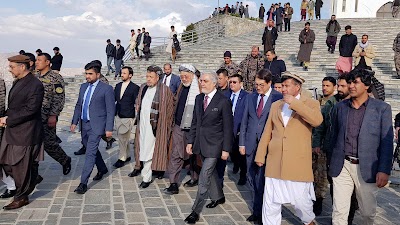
17 204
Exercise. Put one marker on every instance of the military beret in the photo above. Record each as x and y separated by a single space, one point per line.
286 75
228 54
19 59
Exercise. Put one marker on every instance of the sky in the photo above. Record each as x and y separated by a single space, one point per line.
80 28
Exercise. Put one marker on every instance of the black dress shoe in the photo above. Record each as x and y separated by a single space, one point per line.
99 175
214 204
144 185
134 173
67 166
172 189
191 183
160 175
109 143
128 159
8 193
81 151
235 169
242 181
81 189
119 163
253 218
192 218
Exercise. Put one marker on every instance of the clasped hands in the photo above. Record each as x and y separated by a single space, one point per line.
3 121
189 151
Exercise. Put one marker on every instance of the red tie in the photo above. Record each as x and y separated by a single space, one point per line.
205 102
260 106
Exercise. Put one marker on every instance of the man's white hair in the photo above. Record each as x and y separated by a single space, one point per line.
213 76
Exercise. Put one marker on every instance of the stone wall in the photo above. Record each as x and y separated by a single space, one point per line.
233 26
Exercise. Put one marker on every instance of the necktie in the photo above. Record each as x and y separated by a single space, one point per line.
165 80
205 102
86 104
233 100
260 106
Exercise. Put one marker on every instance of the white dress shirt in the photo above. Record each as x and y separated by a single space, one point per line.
167 79
266 96
123 88
287 112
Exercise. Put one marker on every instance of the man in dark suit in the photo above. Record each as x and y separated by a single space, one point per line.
363 149
95 110
119 55
125 97
255 116
238 98
23 139
211 137
171 80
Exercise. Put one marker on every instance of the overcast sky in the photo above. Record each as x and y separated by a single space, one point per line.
80 27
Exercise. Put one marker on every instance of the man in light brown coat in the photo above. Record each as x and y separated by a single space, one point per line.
285 148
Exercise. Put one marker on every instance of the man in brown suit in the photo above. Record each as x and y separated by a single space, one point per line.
285 148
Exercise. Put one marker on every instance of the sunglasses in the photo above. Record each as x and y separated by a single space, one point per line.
234 82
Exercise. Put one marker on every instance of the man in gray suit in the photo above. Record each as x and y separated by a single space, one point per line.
363 149
171 80
255 116
210 137
95 110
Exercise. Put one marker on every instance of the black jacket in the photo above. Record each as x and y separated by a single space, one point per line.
56 62
125 106
119 54
274 33
147 41
347 44
24 122
277 67
110 50
211 130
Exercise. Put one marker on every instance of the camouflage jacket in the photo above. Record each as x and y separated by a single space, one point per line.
54 93
232 68
321 134
396 44
249 68
103 79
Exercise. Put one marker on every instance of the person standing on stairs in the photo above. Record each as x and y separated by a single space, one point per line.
249 67
261 13
132 44
229 65
146 45
119 55
396 49
310 9
318 6
332 29
306 38
222 83
287 16
246 12
279 17
125 96
170 48
171 80
364 53
110 48
347 44
395 8
138 39
269 36
275 65
303 10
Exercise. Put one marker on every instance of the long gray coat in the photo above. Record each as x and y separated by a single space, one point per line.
306 45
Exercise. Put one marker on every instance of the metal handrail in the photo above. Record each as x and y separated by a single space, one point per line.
187 38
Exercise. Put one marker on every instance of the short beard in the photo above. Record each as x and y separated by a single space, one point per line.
186 85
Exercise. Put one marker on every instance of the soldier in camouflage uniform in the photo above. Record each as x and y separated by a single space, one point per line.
319 154
229 65
53 104
250 66
396 49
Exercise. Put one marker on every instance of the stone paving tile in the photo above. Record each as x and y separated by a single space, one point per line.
117 200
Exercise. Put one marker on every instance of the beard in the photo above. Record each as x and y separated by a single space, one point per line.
342 95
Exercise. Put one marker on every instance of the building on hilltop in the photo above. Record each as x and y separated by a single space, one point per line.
361 8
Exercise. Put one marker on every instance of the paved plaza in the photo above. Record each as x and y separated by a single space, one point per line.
117 200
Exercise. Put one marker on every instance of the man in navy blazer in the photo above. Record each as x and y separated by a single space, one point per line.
171 80
255 116
362 149
238 98
95 110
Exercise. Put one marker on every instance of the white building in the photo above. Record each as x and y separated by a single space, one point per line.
361 8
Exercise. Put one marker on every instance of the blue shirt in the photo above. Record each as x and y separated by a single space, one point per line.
94 85
234 101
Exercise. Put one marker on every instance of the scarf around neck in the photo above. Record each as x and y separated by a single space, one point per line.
364 46
187 116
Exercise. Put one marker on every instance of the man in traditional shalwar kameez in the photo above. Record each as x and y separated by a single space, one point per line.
23 136
154 121
287 153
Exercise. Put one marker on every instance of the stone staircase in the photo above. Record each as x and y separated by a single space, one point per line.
209 56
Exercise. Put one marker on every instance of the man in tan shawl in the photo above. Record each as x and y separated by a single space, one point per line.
154 106
183 115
